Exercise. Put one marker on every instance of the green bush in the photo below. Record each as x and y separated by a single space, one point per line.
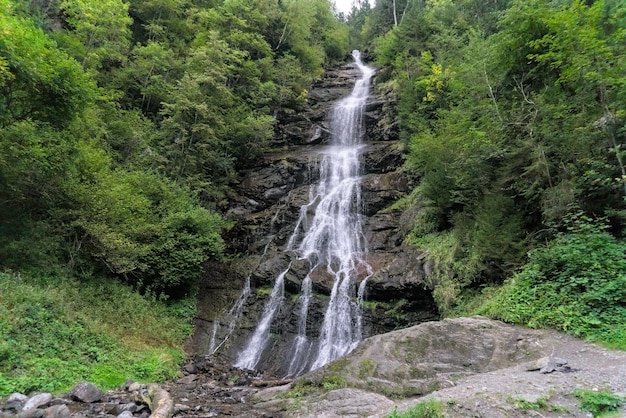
576 283
598 403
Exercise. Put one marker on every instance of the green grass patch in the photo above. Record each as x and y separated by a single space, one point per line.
55 332
426 409
599 403
541 404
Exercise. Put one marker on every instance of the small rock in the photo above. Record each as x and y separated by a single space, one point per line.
57 411
188 379
125 414
15 403
86 392
134 387
33 413
126 407
181 408
17 397
190 368
554 364
38 400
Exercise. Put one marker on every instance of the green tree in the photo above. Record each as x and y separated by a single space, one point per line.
102 31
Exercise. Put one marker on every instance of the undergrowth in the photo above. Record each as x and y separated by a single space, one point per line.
55 332
599 403
426 409
576 283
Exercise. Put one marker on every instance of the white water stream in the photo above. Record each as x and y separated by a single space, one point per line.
331 240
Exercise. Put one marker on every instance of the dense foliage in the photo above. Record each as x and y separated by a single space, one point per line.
122 125
514 113
576 283
58 332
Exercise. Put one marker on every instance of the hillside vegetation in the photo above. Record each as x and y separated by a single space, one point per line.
514 117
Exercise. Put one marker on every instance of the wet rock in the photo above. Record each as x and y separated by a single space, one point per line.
381 190
86 392
383 157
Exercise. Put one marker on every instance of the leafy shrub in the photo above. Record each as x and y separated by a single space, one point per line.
576 283
598 403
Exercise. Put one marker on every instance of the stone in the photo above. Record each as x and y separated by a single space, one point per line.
188 379
190 368
36 401
124 407
57 411
33 413
547 365
181 408
86 392
15 403
427 357
134 387
125 414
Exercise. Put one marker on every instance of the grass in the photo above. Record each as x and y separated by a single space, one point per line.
426 409
541 404
55 332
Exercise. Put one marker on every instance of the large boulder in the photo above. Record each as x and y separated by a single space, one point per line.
429 356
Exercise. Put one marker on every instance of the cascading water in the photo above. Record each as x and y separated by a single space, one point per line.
249 357
335 235
331 240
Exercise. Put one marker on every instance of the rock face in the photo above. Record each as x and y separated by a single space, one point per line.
266 205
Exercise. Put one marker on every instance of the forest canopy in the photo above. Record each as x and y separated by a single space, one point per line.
514 116
122 124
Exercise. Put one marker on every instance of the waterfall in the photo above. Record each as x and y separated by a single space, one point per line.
301 346
249 357
335 235
226 323
230 319
329 235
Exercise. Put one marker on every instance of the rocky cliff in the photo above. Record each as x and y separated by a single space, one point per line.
264 207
